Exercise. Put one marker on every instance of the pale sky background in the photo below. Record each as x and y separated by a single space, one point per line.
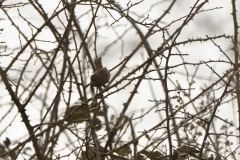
211 23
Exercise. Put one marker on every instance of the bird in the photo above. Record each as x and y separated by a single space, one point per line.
75 113
101 76
188 150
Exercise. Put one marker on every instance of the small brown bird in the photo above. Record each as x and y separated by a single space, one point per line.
101 76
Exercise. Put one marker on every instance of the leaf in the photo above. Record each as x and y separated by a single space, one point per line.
124 151
140 157
7 142
144 151
155 154
175 155
90 155
211 157
218 157
151 155
188 150
93 106
2 149
146 135
75 114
